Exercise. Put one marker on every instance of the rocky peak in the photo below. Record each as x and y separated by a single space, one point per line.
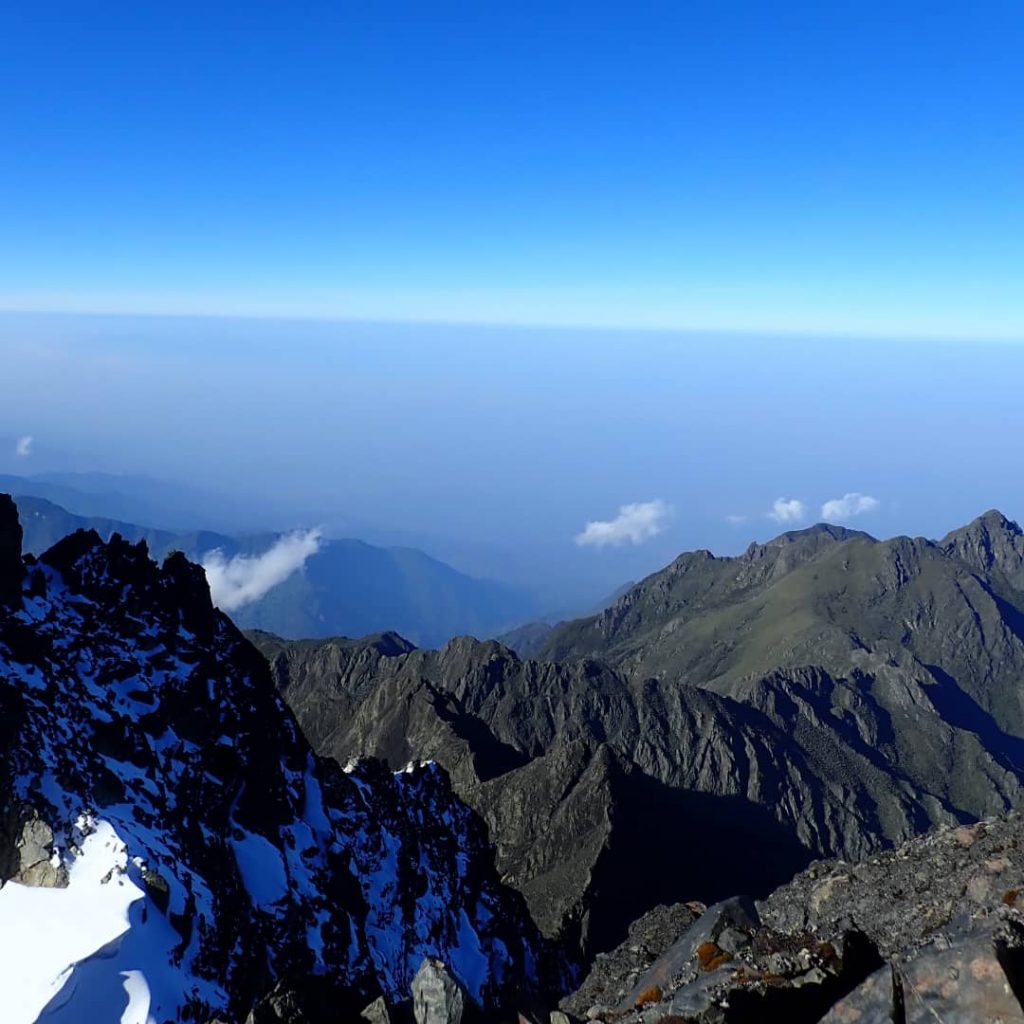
150 771
990 542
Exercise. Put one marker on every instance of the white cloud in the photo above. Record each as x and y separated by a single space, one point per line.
848 506
635 523
735 520
787 510
238 581
23 446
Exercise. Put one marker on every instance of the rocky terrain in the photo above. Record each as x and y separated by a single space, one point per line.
930 931
173 850
823 694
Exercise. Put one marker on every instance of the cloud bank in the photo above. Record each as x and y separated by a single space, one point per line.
848 506
238 581
787 510
23 446
634 524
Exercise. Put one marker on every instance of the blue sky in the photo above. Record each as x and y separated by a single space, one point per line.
811 167
408 226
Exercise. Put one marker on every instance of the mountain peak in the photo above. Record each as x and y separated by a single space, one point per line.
795 546
990 542
993 519
838 533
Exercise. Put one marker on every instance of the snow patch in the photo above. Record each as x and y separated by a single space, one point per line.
262 869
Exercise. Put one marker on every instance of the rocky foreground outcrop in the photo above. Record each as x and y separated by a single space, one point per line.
172 849
931 931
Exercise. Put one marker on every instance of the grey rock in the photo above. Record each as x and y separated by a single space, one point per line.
377 1012
701 999
437 998
732 940
883 898
37 865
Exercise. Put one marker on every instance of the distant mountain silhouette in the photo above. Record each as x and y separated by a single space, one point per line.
347 588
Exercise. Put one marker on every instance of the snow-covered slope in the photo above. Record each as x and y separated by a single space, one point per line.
172 849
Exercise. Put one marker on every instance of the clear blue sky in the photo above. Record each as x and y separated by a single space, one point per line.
853 167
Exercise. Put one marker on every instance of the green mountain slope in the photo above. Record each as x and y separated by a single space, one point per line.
822 694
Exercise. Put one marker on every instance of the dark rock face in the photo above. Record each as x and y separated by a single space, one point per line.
12 569
281 884
822 694
570 766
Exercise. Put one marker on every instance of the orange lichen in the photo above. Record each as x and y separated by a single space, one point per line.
710 955
648 996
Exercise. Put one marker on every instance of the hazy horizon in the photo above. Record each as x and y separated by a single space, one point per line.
494 448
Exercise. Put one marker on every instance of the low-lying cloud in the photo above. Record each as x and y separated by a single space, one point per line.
787 510
633 525
848 506
23 446
238 581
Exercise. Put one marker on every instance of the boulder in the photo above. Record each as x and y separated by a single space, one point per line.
36 862
971 982
376 1012
437 998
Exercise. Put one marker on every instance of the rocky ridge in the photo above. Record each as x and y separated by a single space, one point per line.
156 787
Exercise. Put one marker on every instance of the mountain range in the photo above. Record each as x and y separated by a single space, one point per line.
717 727
346 586
203 825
